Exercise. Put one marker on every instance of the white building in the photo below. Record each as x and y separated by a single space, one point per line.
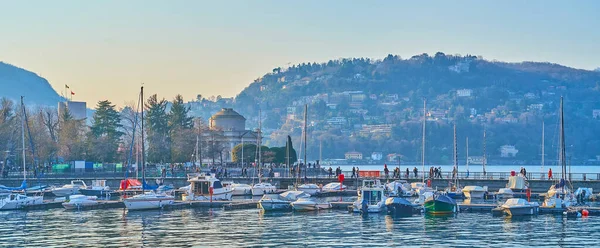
507 151
337 121
376 156
353 156
464 92
596 113
77 109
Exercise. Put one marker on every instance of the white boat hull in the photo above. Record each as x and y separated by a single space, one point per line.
263 191
224 196
21 203
474 194
242 191
274 206
62 192
145 204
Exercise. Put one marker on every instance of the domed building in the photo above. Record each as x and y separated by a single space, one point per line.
232 129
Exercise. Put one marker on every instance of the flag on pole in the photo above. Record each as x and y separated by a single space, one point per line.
66 86
72 93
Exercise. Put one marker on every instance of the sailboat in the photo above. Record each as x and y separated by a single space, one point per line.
309 188
261 188
151 199
454 191
559 195
435 203
15 200
421 189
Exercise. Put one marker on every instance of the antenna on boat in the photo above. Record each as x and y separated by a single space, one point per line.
484 155
455 155
543 134
143 143
23 140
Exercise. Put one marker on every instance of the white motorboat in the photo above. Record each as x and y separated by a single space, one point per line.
201 186
307 204
505 193
371 198
240 189
149 200
69 189
293 195
584 194
80 201
18 201
273 202
517 183
474 192
263 188
98 188
399 188
420 188
333 187
421 199
520 207
310 188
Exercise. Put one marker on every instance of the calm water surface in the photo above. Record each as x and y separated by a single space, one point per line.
244 228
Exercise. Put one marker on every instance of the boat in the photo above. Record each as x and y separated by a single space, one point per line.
14 201
517 183
505 193
371 198
440 204
150 199
309 188
308 204
519 207
239 189
560 194
333 187
399 188
398 206
69 189
263 188
98 188
201 186
274 202
453 190
420 188
474 192
80 201
293 195
584 194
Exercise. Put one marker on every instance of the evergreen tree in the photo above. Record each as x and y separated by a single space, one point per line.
180 131
157 128
105 133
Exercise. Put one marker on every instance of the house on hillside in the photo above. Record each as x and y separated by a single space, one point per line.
596 113
377 156
393 157
508 151
353 156
464 92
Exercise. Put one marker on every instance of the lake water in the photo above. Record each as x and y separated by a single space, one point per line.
252 228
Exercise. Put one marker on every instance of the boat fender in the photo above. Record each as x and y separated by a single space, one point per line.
585 213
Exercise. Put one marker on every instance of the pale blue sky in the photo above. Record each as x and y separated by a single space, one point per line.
105 49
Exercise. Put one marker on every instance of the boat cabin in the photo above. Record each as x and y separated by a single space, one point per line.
371 184
201 184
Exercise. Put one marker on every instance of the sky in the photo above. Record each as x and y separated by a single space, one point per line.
108 49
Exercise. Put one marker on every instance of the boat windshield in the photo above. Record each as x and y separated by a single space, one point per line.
77 183
217 185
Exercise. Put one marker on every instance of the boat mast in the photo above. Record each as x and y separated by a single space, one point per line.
423 143
259 145
543 134
484 155
455 155
562 154
305 141
23 138
143 143
467 153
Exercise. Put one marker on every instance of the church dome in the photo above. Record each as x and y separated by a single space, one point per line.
228 119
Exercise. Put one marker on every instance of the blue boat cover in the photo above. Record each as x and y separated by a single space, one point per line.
23 186
445 198
397 201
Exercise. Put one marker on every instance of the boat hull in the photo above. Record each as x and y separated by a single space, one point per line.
242 191
95 192
62 192
438 206
146 204
21 203
79 205
521 211
399 210
274 206
224 196
263 191
474 194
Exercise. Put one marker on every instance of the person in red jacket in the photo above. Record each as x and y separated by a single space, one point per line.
550 174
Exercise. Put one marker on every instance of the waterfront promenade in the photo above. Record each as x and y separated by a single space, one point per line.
493 180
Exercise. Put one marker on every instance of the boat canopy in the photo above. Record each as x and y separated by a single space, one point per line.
129 184
517 182
397 200
22 187
516 202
